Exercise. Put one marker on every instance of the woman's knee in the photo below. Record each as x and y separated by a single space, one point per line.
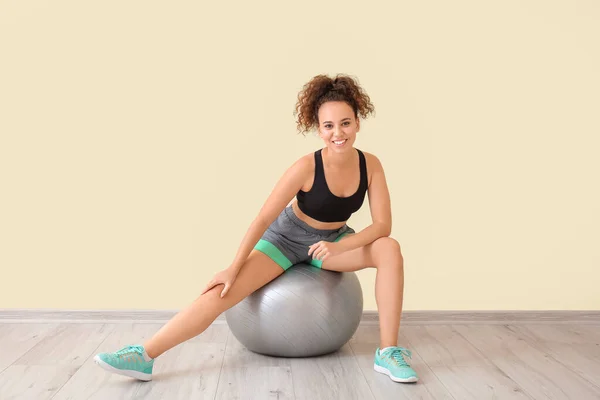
387 248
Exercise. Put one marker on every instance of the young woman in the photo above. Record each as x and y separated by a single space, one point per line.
304 220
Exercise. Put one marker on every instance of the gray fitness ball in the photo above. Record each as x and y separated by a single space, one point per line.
304 312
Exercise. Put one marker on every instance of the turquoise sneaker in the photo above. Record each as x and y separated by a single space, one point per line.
128 361
392 363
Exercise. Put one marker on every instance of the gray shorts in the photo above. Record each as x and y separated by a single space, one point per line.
287 239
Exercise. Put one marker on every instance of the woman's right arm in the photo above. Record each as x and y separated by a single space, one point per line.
284 191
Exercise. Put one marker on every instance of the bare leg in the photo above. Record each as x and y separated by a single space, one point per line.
257 271
383 254
389 293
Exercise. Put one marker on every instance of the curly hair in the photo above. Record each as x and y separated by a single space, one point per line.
322 89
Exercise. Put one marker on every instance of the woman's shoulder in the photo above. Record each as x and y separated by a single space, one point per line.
372 160
307 160
373 165
304 164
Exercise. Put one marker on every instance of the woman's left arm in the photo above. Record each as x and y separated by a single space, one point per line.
381 210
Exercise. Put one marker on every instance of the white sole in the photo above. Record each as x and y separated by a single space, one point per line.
387 372
134 374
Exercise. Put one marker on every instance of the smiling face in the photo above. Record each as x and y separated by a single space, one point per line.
338 126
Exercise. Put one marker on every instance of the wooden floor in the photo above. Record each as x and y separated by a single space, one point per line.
54 361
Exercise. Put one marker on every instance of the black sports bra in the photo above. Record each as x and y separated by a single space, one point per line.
319 203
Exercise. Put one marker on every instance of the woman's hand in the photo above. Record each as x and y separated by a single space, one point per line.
225 277
321 250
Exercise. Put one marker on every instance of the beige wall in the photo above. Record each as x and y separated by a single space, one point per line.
139 139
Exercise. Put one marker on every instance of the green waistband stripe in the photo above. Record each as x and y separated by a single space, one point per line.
319 263
274 253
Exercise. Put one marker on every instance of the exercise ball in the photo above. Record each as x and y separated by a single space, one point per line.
304 312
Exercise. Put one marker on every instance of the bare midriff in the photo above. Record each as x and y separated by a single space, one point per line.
313 222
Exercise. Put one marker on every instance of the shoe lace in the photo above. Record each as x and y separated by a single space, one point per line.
398 353
128 350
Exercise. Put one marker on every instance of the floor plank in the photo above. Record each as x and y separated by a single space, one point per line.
92 382
191 368
364 343
538 361
17 339
462 369
246 375
331 376
573 347
541 376
51 362
39 382
70 344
